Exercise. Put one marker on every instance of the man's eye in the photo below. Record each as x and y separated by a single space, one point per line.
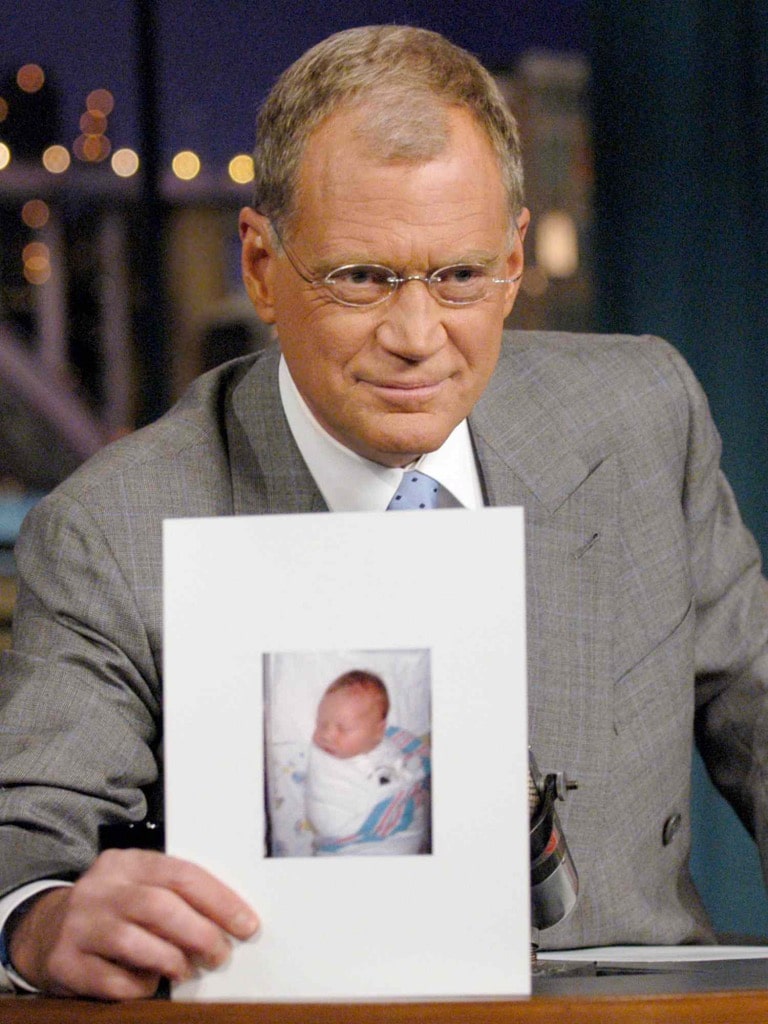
361 276
460 274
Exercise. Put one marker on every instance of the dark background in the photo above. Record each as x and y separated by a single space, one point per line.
218 59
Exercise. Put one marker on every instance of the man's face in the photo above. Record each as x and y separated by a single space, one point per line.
390 382
348 723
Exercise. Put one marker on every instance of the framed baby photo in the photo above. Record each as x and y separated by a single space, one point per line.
347 753
345 745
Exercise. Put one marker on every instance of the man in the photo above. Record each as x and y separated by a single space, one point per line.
386 247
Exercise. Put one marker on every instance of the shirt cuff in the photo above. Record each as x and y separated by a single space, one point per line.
11 980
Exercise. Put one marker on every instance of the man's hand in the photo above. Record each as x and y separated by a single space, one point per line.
133 918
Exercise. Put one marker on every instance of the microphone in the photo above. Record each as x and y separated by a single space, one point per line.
554 880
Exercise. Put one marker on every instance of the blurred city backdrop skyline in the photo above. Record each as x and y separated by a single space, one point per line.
125 137
216 61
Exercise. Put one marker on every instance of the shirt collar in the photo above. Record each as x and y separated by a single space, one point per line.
350 483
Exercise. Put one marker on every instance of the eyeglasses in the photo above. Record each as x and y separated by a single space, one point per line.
370 284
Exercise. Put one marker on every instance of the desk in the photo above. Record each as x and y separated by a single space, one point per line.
723 992
701 1008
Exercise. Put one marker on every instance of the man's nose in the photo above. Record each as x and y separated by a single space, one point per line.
412 322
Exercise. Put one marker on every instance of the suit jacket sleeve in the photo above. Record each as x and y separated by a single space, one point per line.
80 700
80 693
731 633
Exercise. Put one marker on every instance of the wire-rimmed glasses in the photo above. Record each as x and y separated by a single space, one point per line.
370 284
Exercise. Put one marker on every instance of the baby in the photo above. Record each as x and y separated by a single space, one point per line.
367 785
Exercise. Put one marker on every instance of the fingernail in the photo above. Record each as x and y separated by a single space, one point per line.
244 924
219 959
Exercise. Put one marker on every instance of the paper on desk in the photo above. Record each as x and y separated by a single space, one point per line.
240 590
655 954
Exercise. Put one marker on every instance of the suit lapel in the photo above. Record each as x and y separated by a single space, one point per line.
268 472
515 425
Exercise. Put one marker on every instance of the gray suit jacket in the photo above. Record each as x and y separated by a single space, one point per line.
647 614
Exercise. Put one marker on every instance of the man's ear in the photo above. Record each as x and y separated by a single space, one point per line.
516 259
257 260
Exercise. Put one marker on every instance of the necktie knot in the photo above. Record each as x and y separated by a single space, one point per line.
417 490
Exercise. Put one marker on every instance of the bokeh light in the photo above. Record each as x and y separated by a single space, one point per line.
186 165
241 168
35 213
93 122
91 149
37 271
30 78
37 262
100 100
35 251
5 156
125 162
97 148
557 244
56 159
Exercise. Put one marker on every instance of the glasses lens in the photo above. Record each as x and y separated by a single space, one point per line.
463 283
360 285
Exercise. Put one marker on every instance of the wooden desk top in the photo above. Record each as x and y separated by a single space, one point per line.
701 1008
712 992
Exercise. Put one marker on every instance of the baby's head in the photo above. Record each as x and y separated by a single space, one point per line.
352 715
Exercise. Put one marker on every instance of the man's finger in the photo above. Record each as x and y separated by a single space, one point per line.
163 913
201 890
96 978
138 948
197 887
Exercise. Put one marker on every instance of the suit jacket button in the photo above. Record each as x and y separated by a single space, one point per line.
671 828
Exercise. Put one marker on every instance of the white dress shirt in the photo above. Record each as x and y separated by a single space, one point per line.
10 981
350 483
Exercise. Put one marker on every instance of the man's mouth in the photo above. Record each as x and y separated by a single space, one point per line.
403 392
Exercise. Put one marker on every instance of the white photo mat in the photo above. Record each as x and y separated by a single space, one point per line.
238 591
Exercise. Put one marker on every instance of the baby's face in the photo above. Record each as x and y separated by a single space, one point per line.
348 723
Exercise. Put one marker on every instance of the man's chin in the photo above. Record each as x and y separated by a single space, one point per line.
401 443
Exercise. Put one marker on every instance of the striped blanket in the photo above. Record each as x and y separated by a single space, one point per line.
397 781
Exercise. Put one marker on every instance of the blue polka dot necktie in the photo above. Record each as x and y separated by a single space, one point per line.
417 490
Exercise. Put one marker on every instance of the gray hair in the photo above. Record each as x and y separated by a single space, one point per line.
404 79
